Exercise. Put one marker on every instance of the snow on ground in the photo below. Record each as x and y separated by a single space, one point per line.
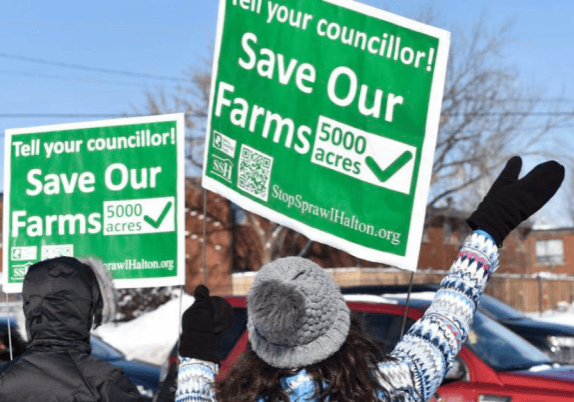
558 317
149 337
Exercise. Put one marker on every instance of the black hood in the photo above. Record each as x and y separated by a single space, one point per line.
61 297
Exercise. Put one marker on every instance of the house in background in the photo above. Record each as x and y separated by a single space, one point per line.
526 250
445 231
550 250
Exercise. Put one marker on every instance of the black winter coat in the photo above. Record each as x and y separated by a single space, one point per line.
59 301
62 373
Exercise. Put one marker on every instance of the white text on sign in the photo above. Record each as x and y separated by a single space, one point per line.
140 139
365 156
117 177
305 75
146 215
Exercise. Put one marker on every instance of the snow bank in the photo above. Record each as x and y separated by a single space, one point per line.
151 336
558 317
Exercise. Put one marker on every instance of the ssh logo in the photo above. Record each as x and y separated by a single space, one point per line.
19 271
222 168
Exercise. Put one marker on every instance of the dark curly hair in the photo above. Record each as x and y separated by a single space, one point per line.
346 376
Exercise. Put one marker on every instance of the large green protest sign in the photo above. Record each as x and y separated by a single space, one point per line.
112 190
324 118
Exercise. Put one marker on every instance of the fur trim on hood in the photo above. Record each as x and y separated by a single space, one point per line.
107 290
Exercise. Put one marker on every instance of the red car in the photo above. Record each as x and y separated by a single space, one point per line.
494 365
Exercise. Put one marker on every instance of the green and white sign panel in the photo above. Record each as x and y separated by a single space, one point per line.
324 118
113 190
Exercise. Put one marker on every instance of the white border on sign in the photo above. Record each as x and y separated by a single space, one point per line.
312 233
179 119
393 18
214 71
410 260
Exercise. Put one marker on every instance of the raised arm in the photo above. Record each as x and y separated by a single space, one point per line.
427 351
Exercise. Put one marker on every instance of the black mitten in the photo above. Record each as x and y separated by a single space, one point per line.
511 201
223 317
202 325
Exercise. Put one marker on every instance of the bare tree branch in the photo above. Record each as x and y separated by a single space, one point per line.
487 116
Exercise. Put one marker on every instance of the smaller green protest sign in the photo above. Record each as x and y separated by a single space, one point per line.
111 189
324 118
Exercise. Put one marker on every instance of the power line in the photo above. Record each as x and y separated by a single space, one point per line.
531 100
493 114
88 68
513 114
162 77
545 127
66 115
58 77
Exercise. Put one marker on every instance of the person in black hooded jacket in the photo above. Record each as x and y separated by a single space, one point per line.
63 298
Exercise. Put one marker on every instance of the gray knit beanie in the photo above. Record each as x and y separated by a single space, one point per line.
296 314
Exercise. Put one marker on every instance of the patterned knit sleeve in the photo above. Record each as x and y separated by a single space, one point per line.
195 380
427 351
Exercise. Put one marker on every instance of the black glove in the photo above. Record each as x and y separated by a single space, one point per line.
511 201
202 325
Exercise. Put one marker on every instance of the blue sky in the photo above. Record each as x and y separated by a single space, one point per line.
163 38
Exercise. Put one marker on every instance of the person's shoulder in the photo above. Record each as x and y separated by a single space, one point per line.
17 364
106 376
17 374
6 365
95 367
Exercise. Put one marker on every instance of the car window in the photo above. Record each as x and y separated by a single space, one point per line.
501 348
103 351
383 329
230 337
494 307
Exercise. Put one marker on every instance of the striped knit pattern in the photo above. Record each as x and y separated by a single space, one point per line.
430 346
195 380
424 354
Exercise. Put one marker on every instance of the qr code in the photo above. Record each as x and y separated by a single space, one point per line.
254 172
57 250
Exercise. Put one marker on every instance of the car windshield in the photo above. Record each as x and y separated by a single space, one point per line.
501 348
494 307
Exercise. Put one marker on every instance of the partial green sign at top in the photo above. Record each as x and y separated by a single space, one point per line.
324 118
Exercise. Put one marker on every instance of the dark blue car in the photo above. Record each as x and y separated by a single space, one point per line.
144 375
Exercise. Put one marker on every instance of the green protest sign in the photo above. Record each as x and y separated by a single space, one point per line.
109 189
324 118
